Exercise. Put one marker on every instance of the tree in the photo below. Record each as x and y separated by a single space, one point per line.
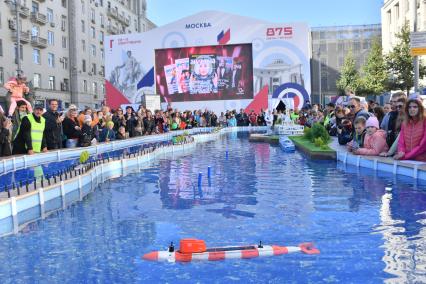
349 76
400 63
375 74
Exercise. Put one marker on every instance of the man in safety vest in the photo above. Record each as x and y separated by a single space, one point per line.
30 138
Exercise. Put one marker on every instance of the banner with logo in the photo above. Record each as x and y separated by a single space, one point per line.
279 65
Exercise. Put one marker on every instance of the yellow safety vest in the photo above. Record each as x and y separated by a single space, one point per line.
37 129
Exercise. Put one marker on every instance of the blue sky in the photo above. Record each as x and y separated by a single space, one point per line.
315 12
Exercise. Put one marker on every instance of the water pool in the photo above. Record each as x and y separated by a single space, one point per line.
366 234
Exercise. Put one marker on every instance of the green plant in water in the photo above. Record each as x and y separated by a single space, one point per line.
318 130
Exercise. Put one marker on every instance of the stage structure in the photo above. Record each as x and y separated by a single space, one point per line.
211 60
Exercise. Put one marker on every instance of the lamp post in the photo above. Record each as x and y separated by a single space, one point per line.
319 75
18 36
413 8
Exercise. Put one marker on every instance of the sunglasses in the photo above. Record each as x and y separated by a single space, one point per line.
413 107
351 106
399 106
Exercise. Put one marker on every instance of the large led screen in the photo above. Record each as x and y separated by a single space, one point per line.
220 72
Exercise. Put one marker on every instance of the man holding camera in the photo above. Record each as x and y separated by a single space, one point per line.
53 130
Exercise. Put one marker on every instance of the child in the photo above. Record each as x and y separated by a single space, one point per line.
358 139
87 133
374 141
17 89
107 133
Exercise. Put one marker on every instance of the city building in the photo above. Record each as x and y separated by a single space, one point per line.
395 13
330 46
62 44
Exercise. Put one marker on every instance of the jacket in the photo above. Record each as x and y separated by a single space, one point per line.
412 140
53 130
16 90
107 133
69 128
374 144
23 142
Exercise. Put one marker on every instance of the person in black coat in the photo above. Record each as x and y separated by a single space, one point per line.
149 123
53 130
87 134
70 125
131 121
5 133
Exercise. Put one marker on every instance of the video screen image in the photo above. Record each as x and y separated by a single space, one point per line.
219 72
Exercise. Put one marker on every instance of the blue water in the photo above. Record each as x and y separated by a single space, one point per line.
366 234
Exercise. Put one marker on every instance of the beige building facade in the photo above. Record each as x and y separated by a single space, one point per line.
62 44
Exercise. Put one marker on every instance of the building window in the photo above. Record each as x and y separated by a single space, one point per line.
83 45
35 31
95 87
83 66
136 25
102 53
65 85
50 38
93 32
36 56
65 62
83 10
103 89
323 47
51 59
52 83
366 44
85 86
101 2
357 46
102 19
341 46
64 3
94 68
37 80
83 29
102 72
92 15
49 15
64 42
341 61
34 7
93 50
63 22
1 47
1 76
101 36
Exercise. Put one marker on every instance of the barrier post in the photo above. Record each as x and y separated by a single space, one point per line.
41 199
14 215
63 195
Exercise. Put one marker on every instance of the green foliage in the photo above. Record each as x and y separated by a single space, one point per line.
317 135
375 74
84 156
399 63
349 76
307 133
318 142
178 139
318 130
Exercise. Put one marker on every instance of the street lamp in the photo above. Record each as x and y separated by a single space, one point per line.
18 36
319 75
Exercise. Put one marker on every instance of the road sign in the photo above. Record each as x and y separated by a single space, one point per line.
418 43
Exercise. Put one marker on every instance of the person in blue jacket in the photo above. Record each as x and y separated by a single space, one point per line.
107 133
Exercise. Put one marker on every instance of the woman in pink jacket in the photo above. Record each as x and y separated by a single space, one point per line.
412 137
374 141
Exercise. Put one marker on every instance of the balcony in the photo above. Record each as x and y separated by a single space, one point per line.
112 29
41 1
38 18
24 12
113 13
123 19
38 41
24 37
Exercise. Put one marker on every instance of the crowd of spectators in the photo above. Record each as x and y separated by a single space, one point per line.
397 129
